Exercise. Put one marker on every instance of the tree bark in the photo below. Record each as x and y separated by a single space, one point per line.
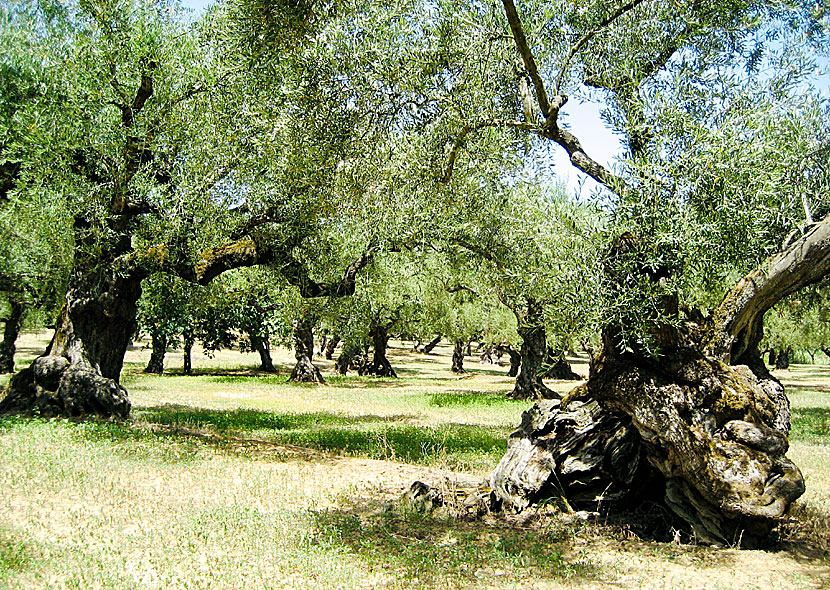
380 365
534 346
263 347
558 367
431 345
79 372
10 333
515 359
305 371
331 345
782 361
458 357
707 418
187 353
156 364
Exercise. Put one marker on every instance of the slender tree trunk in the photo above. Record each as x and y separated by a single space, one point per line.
305 371
534 346
380 365
10 333
187 353
324 340
515 359
331 345
156 364
772 357
458 357
263 347
431 345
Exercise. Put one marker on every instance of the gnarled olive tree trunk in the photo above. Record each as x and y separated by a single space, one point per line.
531 328
380 365
305 370
705 422
80 370
558 367
11 331
458 357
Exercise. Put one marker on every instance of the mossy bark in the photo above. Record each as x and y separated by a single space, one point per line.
706 416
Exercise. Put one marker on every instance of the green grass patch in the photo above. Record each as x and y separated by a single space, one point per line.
434 551
456 399
460 446
15 555
811 425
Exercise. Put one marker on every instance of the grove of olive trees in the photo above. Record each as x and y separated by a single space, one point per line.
348 147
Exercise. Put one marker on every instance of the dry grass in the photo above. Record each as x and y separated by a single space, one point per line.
233 479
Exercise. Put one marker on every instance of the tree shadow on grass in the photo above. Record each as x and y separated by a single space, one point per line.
377 437
436 550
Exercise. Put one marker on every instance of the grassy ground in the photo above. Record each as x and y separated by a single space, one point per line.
233 479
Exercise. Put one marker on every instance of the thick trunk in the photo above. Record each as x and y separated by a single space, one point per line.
187 354
10 332
534 346
431 345
706 418
156 364
263 347
458 357
380 365
305 371
79 372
